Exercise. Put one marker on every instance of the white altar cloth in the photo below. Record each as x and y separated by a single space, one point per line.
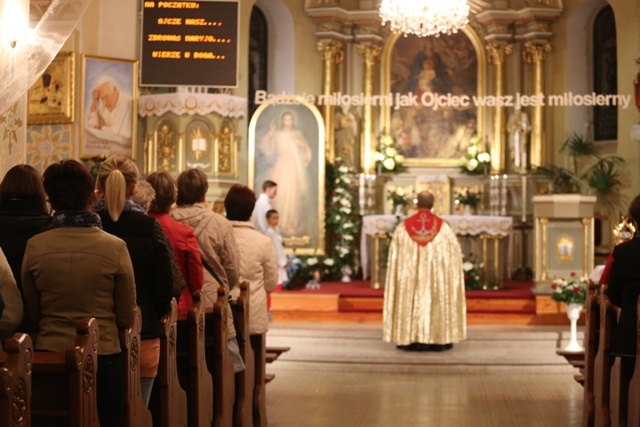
462 225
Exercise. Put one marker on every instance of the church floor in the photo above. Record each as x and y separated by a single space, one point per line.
344 375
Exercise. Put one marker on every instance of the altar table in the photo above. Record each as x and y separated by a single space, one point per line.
494 228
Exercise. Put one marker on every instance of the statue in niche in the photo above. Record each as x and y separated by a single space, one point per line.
224 140
346 129
518 127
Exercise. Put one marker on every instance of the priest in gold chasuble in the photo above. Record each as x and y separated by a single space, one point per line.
424 300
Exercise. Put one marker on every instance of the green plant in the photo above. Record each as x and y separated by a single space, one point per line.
342 216
601 176
572 292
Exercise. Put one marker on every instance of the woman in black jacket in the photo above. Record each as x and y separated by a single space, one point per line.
623 291
153 261
23 214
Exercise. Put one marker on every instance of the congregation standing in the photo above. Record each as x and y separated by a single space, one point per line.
72 248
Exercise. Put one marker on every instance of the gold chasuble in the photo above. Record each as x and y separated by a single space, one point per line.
424 298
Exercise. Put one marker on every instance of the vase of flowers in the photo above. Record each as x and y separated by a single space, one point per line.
475 162
574 294
399 200
387 158
468 200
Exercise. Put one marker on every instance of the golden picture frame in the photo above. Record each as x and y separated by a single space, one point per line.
286 145
108 112
413 67
51 97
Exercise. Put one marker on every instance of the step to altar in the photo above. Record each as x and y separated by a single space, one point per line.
356 302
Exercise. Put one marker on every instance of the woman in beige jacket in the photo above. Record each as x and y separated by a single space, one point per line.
257 260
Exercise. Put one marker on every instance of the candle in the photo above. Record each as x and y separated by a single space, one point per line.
503 196
361 192
524 198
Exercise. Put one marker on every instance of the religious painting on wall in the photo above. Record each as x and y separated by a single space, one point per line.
50 98
286 145
109 93
433 129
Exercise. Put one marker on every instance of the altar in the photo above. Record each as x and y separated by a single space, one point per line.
472 231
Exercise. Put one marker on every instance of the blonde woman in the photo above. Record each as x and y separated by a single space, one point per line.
151 256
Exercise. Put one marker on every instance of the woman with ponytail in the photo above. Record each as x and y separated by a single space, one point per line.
153 261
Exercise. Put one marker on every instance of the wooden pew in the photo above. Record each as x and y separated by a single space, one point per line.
243 404
192 365
633 413
258 343
136 413
591 339
15 382
219 361
169 400
274 352
64 384
603 362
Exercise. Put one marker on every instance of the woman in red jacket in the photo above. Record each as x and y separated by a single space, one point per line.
181 236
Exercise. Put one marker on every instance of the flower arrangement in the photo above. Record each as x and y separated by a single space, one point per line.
387 158
301 268
399 197
342 216
473 275
475 162
573 291
468 198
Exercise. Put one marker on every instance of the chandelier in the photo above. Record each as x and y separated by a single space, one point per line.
424 17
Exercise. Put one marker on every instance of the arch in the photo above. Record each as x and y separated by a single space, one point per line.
579 55
605 74
281 33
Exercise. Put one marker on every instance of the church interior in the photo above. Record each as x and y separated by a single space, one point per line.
523 123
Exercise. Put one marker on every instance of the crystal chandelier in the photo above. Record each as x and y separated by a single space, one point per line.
424 17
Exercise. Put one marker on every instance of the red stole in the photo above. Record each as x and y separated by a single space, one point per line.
423 227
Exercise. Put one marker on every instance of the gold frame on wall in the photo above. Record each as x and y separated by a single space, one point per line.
124 74
267 115
51 97
385 112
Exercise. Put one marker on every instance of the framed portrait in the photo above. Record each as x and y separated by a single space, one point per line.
426 68
108 119
51 98
286 145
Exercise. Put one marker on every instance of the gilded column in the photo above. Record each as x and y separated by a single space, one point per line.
332 55
496 54
368 144
533 54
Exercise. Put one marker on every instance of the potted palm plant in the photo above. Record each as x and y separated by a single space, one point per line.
590 173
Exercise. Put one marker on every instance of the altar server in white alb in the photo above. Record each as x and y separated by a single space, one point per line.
424 300
263 205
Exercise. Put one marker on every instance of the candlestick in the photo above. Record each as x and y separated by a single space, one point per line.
524 198
503 196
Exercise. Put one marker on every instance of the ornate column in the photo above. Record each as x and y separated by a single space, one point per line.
533 54
332 54
496 54
371 54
